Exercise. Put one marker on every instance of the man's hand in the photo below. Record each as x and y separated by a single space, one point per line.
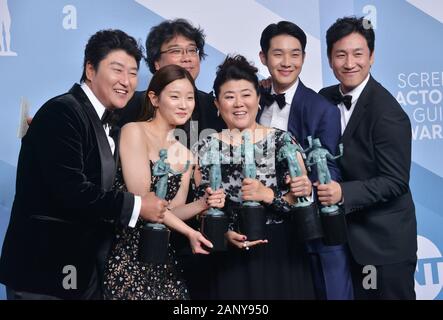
254 190
153 208
329 194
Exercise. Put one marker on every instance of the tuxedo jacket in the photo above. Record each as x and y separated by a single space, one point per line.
64 208
313 115
375 169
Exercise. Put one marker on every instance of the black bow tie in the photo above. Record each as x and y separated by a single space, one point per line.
346 100
109 118
268 99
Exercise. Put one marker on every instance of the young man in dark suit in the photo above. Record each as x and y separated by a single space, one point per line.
291 106
375 168
65 209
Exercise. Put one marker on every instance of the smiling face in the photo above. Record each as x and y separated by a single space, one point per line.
175 103
115 80
351 61
238 104
180 51
284 61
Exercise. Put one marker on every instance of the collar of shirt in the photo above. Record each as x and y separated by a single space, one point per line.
98 106
289 94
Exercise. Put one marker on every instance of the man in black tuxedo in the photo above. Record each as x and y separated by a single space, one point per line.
375 167
65 209
291 106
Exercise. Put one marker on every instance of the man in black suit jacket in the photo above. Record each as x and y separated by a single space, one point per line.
375 168
65 208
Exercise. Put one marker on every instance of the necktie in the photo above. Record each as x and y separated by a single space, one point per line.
268 99
346 100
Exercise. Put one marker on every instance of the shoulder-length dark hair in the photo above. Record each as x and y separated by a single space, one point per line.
159 81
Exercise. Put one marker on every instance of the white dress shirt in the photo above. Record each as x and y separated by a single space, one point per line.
346 114
273 116
100 109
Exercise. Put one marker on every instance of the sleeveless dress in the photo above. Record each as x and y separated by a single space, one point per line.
126 278
279 269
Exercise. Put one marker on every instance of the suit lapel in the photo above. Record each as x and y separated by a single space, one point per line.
359 112
108 166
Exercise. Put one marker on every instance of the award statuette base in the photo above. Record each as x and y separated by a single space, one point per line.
252 221
154 242
214 227
334 226
307 222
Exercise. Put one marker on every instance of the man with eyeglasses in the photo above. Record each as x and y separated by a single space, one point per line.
178 42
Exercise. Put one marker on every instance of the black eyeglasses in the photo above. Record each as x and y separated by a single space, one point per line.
178 52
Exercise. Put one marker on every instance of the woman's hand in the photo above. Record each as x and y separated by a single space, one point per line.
254 190
299 186
197 240
239 240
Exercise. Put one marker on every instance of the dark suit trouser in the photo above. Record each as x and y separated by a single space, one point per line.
393 281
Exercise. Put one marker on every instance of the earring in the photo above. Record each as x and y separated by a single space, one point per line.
218 113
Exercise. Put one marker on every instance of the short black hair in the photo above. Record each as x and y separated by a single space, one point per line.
235 68
283 27
165 32
104 42
347 25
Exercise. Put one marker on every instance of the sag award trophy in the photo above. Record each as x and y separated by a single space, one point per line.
333 220
214 223
154 237
251 213
304 213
